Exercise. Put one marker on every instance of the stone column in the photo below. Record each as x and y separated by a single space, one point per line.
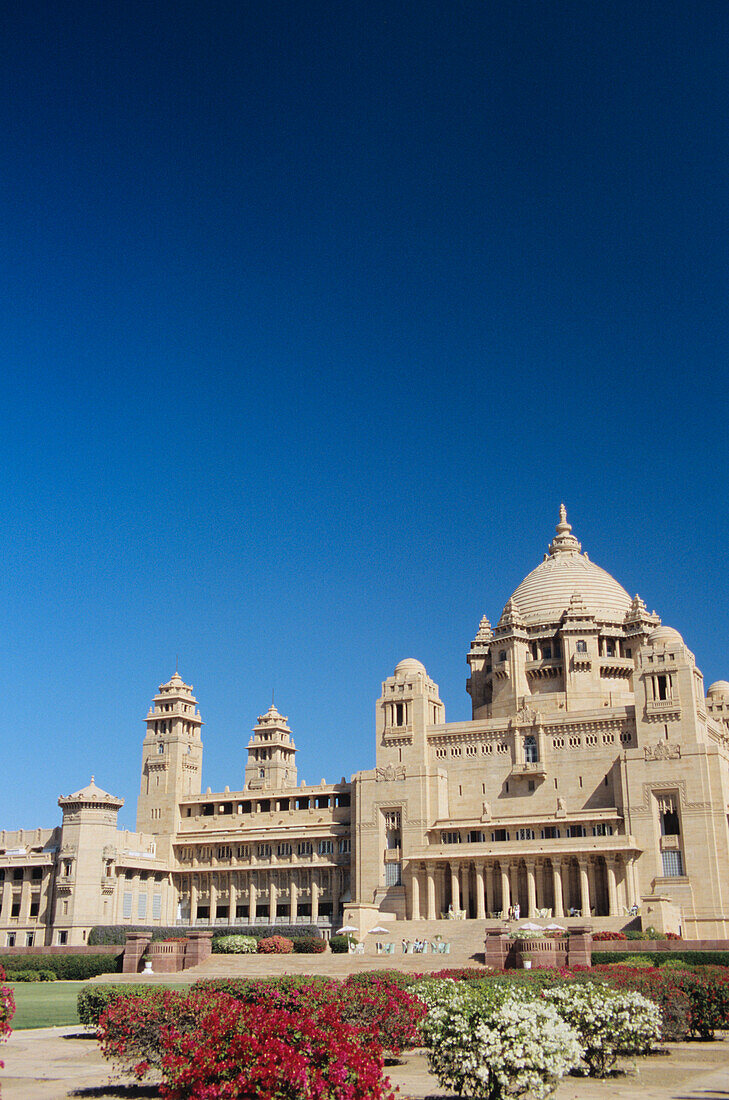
252 898
630 891
531 889
430 886
314 901
514 883
557 887
293 901
455 888
25 901
489 888
505 889
414 894
213 897
592 874
193 899
335 896
465 880
612 888
584 889
480 899
233 895
272 901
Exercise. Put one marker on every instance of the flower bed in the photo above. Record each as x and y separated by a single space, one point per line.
209 1044
7 1010
492 1042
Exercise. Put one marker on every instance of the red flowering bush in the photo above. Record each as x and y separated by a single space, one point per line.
275 945
669 936
388 1013
210 1045
7 1010
609 936
374 1004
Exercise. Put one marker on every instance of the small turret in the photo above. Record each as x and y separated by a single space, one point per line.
171 756
271 753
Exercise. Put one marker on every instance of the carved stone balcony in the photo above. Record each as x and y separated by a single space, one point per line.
533 769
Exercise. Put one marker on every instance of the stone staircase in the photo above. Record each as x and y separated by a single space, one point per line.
465 938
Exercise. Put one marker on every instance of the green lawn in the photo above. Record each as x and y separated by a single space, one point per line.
44 1004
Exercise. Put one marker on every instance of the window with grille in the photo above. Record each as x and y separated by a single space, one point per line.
326 847
393 874
142 906
525 834
672 864
156 906
127 906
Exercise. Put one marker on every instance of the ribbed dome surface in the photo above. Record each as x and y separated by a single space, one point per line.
545 593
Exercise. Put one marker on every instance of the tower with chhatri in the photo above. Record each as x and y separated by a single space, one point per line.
171 757
271 754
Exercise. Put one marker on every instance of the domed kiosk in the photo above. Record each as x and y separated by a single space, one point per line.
566 639
545 594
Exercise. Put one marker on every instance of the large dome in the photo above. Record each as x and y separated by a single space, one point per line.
545 593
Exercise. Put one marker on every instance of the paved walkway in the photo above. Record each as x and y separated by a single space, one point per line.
61 1063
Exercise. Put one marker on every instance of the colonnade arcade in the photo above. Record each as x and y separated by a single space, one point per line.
565 885
288 896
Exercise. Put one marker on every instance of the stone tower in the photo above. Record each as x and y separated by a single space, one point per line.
271 753
171 757
88 849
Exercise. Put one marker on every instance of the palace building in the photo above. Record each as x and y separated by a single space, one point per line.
592 778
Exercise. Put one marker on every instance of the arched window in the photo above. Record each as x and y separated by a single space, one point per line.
530 750
581 645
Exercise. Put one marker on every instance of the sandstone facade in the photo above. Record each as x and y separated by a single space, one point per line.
591 781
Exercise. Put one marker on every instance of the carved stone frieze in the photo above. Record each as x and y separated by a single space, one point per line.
390 773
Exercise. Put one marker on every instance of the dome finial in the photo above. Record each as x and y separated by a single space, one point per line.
564 541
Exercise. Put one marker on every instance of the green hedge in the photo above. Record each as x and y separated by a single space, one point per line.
93 1000
30 976
339 944
70 968
692 958
309 945
117 933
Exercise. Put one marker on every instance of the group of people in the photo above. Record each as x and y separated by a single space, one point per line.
515 911
417 947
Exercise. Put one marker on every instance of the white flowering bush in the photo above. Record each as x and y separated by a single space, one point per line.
492 1041
235 945
608 1021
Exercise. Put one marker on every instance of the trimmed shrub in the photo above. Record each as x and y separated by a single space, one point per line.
339 945
117 933
94 999
30 976
235 945
70 968
275 945
309 945
693 958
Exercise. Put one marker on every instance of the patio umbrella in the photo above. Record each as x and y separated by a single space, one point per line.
555 928
346 928
529 927
379 930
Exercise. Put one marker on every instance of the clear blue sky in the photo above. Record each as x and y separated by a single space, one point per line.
311 315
